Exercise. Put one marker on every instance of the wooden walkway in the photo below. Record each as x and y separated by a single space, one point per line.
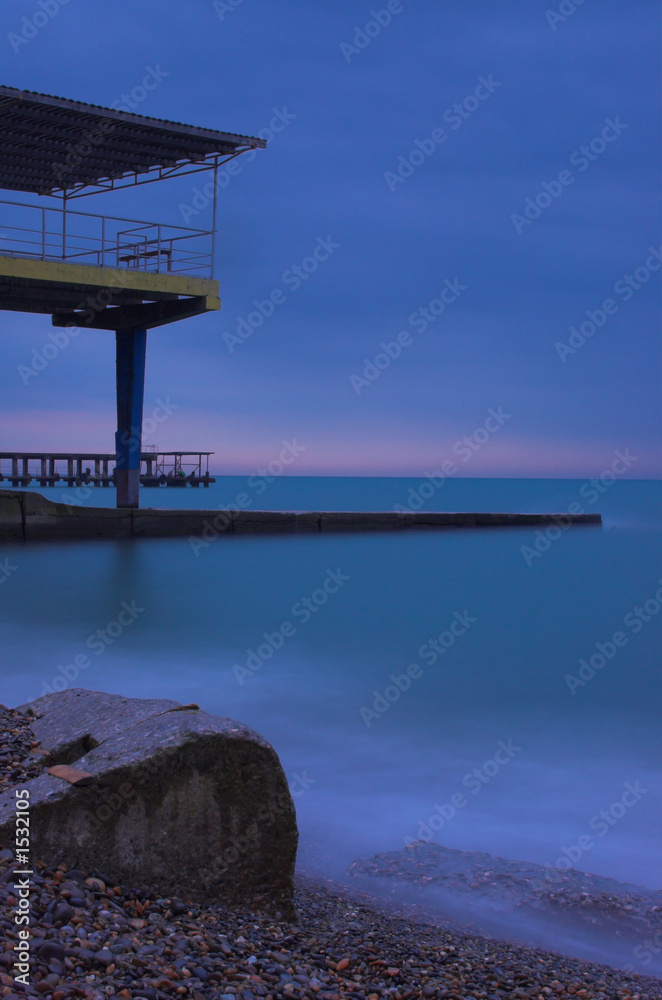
166 468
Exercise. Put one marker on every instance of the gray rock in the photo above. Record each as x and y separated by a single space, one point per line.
71 722
62 912
50 949
183 803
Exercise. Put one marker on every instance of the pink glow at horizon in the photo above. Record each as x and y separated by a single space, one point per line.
500 457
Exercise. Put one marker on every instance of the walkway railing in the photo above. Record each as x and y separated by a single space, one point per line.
54 234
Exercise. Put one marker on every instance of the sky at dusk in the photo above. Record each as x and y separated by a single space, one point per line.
449 188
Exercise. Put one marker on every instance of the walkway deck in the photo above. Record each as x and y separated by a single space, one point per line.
161 468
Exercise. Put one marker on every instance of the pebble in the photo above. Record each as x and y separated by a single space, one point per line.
19 751
346 946
91 941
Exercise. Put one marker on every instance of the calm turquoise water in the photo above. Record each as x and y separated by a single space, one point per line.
368 772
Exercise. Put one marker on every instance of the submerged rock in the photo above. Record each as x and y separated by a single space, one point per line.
175 799
589 913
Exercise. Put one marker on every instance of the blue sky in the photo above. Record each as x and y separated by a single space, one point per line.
404 210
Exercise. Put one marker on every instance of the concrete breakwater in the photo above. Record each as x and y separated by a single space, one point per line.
29 516
151 792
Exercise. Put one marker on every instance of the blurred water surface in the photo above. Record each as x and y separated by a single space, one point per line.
372 760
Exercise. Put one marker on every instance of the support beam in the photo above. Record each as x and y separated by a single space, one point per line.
131 346
145 316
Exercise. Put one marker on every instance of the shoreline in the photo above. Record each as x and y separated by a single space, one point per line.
94 939
90 937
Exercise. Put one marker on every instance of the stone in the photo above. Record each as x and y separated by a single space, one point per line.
184 803
62 913
11 516
50 949
71 774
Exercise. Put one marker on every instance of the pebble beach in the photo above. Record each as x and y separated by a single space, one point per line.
92 938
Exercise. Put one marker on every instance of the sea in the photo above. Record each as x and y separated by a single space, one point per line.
491 689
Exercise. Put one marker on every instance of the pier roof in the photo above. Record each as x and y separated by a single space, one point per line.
52 145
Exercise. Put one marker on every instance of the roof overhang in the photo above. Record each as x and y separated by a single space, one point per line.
53 146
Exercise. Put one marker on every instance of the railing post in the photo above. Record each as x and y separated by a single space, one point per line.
158 254
103 240
213 221
43 234
64 226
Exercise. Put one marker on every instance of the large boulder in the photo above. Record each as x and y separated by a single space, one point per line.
159 795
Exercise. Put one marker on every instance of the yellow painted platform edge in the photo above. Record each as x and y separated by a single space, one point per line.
108 277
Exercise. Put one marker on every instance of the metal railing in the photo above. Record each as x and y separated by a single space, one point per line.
54 234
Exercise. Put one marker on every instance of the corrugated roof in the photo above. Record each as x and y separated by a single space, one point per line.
52 143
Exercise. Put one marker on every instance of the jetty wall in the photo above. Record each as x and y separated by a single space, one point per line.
27 516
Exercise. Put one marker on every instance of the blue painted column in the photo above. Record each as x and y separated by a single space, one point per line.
131 346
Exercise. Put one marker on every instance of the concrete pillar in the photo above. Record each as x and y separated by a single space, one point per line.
97 471
130 354
70 472
51 472
25 468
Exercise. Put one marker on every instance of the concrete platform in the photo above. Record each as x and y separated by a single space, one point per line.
27 516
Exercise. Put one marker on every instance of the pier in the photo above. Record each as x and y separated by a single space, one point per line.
101 272
27 516
164 468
